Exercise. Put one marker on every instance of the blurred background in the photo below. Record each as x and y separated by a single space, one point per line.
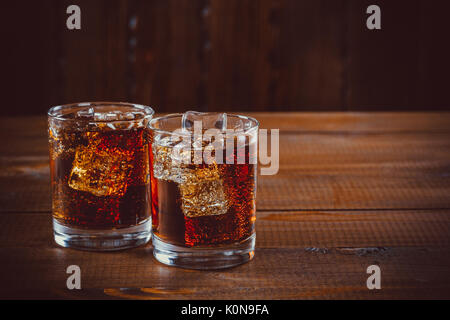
230 55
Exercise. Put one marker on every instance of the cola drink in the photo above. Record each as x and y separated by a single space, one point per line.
203 205
215 204
99 164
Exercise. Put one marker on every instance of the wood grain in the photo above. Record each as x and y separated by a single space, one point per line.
31 56
345 161
326 231
353 190
304 256
94 59
403 63
281 273
166 55
284 55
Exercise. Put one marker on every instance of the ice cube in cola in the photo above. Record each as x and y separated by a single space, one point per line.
100 168
208 203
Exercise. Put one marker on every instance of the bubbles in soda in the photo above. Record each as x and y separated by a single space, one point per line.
202 204
99 170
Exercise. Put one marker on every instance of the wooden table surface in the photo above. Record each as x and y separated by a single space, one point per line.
353 190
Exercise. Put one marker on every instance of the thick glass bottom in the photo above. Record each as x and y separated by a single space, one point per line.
102 240
202 258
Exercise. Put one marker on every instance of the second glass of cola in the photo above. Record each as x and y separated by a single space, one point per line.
203 179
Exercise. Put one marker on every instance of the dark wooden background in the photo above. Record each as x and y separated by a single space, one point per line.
233 55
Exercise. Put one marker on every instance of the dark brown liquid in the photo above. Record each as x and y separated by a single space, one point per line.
171 225
110 188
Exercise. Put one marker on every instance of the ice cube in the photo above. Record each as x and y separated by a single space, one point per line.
235 123
87 113
198 143
162 158
100 172
202 193
208 120
112 116
106 116
167 163
162 163
181 153
201 187
135 115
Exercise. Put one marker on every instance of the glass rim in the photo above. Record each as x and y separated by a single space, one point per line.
51 113
255 123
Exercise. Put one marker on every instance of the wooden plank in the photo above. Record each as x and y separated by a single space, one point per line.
415 265
355 122
317 171
234 55
95 57
353 232
359 172
240 41
324 230
274 274
404 63
25 187
329 122
166 60
287 54
434 66
31 56
374 85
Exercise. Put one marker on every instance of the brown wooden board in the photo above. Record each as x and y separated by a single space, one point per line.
284 55
299 256
275 53
353 190
345 161
403 64
166 54
94 59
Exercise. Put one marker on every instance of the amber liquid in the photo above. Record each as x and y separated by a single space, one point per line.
171 225
100 179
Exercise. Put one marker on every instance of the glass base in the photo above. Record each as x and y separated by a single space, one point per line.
102 240
202 258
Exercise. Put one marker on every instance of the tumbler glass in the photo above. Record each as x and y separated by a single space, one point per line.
99 164
203 176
